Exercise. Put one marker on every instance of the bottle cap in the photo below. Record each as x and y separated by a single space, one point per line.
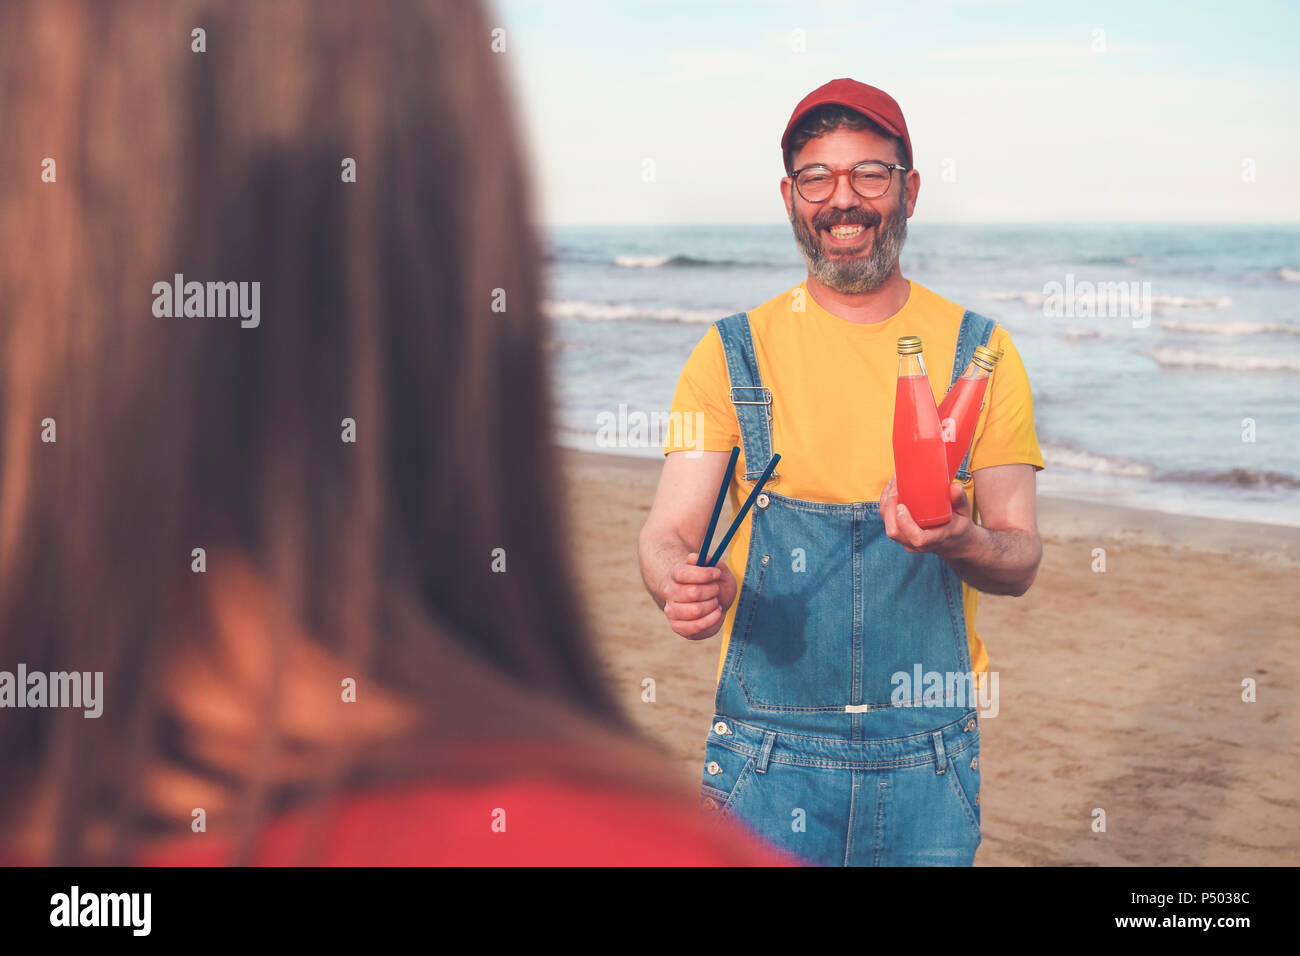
909 344
986 357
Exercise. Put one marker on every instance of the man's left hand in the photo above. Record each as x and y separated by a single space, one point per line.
950 540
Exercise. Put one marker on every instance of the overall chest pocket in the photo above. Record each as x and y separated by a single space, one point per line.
798 649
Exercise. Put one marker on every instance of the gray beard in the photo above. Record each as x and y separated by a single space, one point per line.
852 275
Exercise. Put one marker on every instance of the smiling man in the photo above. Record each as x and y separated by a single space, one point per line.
832 599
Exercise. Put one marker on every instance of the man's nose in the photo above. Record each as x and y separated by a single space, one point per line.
844 196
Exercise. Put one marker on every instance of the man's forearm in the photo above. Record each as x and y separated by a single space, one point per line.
999 561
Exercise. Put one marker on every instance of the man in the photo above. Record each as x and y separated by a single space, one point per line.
845 728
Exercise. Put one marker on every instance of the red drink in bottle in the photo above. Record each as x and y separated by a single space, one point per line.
920 456
960 409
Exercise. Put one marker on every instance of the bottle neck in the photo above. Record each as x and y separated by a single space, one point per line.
910 364
975 370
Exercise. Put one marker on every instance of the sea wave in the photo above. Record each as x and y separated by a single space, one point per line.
1288 275
1065 456
1029 298
1062 456
1231 328
1191 301
608 312
1189 358
1101 292
1237 478
1112 260
659 262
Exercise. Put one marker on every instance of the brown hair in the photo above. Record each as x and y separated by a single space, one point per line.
377 302
827 119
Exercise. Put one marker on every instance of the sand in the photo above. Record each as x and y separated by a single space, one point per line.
1119 690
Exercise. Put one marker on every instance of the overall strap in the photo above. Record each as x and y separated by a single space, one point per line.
753 399
975 330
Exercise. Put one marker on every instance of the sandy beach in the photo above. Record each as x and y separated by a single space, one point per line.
1119 690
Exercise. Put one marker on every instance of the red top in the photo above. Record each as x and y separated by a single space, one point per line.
517 822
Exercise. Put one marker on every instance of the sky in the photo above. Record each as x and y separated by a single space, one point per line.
671 111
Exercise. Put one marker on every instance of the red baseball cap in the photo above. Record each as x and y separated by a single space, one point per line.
874 104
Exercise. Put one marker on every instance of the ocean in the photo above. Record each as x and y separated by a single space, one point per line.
1164 359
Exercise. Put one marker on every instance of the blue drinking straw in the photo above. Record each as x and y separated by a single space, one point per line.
717 505
735 523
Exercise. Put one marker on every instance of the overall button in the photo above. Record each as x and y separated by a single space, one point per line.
762 500
714 768
970 725
977 798
721 728
974 763
766 559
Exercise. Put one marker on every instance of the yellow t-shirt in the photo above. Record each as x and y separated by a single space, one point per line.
833 384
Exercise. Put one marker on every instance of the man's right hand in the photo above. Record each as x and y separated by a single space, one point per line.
696 599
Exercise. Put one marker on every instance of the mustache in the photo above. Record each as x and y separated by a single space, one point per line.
849 218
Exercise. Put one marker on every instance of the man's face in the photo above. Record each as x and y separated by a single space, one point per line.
862 261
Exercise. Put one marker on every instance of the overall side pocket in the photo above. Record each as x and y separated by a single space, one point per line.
964 776
726 775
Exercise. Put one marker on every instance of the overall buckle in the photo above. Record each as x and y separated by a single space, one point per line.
765 400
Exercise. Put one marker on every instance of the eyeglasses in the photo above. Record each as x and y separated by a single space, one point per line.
869 180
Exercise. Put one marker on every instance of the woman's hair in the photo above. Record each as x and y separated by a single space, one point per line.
377 447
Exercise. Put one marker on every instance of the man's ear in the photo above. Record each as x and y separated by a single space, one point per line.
913 190
787 196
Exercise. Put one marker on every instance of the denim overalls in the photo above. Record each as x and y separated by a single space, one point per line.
845 727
